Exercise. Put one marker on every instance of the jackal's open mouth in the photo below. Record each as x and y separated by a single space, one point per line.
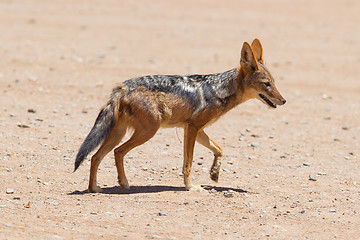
271 104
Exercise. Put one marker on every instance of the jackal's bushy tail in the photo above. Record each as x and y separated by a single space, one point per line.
103 125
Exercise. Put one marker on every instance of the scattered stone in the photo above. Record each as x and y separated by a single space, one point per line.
248 204
16 197
332 210
200 163
307 164
77 58
326 97
302 211
345 128
321 173
312 178
152 236
213 190
228 194
9 191
226 170
255 144
31 110
22 125
100 55
162 214
32 78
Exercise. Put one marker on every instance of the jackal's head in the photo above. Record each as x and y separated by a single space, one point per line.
257 80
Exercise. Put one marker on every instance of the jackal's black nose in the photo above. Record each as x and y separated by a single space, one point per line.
284 101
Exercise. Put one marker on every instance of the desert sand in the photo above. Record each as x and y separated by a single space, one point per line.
287 173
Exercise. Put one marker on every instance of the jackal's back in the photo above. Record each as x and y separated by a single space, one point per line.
199 90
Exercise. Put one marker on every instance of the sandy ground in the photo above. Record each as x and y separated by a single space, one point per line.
60 59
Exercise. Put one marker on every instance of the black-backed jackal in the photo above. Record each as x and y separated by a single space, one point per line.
189 101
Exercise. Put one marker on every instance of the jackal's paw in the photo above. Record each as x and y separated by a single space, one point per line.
94 189
194 188
214 174
124 185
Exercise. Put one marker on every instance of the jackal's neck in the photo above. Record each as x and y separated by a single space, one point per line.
237 86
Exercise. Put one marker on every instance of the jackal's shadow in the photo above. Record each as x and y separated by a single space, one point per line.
153 189
222 189
133 190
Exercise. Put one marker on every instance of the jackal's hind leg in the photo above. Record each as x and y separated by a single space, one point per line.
207 142
109 143
140 136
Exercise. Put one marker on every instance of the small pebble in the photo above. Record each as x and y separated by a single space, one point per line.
255 144
312 178
22 125
332 210
152 236
345 128
9 191
306 164
226 170
33 78
162 214
228 194
100 55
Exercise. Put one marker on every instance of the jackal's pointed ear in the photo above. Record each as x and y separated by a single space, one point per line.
258 50
248 58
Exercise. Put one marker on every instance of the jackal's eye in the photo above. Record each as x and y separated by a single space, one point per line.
267 84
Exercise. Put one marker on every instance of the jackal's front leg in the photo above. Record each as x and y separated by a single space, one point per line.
204 140
190 133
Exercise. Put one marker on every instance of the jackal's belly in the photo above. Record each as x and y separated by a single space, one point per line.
175 111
